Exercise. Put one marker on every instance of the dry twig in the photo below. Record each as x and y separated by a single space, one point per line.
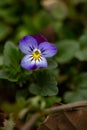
64 107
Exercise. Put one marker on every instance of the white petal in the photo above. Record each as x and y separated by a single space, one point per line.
42 62
28 62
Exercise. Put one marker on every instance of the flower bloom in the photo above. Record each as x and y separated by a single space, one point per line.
36 50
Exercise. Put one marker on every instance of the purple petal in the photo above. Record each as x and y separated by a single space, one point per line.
30 64
27 44
27 62
40 38
47 49
42 62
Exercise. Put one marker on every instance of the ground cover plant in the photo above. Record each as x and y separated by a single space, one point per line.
43 57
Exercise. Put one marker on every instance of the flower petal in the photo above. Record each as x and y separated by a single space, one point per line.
47 49
40 38
27 44
28 63
42 62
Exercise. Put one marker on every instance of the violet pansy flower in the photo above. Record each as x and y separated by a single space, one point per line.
36 50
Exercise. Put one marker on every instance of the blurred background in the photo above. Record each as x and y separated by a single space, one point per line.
62 22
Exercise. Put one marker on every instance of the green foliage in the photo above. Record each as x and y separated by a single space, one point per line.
81 80
52 64
1 60
11 62
10 54
43 85
81 54
80 89
9 124
4 31
81 1
63 23
67 50
13 72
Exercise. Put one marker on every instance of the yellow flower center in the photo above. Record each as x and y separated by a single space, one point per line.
36 54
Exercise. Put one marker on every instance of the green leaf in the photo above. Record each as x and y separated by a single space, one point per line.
76 95
22 31
81 81
11 61
82 53
81 1
3 74
36 101
1 60
44 84
4 30
7 75
51 64
80 92
66 50
4 2
11 55
72 97
39 22
52 100
83 93
21 102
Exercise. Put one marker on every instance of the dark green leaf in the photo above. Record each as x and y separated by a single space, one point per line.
72 96
82 53
81 1
44 85
76 95
11 61
51 64
11 55
81 81
8 76
4 31
1 60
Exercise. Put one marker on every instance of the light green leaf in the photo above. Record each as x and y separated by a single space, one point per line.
22 31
